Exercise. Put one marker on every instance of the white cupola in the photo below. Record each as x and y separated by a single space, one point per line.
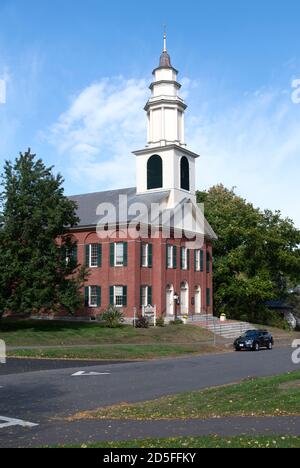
165 164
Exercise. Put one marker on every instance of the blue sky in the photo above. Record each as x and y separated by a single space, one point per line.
77 76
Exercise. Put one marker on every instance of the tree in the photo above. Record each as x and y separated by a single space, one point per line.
256 255
38 268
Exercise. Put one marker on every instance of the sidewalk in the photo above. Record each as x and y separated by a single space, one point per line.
77 433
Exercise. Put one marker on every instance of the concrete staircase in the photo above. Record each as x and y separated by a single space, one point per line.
230 329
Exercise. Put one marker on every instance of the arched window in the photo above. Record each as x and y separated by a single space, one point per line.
155 172
185 173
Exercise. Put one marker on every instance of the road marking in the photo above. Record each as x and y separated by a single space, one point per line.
9 422
89 374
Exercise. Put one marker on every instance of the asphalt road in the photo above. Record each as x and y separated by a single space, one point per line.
40 395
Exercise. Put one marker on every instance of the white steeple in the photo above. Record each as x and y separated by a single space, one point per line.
165 164
165 109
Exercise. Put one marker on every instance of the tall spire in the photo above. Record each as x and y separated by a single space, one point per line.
165 59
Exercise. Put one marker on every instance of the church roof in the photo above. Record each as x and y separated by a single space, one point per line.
87 205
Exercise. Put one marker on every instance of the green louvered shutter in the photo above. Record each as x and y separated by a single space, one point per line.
150 295
201 261
195 260
99 255
87 256
125 254
181 258
188 259
150 255
141 296
63 253
175 257
111 296
75 254
167 256
141 253
124 296
208 297
208 262
112 255
86 296
98 296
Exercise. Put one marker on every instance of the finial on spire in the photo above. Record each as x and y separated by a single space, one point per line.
165 60
165 38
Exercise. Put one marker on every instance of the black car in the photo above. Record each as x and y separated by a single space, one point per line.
254 340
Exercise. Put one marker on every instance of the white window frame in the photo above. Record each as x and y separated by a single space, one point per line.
116 289
170 257
184 258
92 255
91 305
145 255
198 260
119 265
145 296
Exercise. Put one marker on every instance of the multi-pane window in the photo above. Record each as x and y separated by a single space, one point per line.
93 296
171 256
93 255
198 260
118 296
146 255
119 254
184 258
145 250
144 296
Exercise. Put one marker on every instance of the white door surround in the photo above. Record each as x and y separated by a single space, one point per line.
170 301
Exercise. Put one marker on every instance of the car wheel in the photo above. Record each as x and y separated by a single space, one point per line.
256 347
237 350
270 346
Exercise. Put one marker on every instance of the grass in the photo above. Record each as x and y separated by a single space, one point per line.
65 340
118 352
271 396
201 442
48 333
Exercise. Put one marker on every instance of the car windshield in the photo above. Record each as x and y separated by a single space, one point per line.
249 334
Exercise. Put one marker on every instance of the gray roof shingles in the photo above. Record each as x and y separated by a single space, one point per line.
88 204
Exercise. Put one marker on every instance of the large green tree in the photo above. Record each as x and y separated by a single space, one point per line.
35 218
256 255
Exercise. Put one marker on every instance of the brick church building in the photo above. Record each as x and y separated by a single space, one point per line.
164 258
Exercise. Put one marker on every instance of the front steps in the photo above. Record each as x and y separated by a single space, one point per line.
230 329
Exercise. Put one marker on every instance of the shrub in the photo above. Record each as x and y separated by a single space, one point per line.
142 322
160 322
176 322
112 317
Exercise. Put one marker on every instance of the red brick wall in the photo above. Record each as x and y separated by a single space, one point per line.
133 276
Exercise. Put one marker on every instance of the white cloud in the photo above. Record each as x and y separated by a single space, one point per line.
253 144
103 125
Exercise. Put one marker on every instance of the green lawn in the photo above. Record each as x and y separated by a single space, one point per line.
116 351
48 333
203 442
94 341
272 396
